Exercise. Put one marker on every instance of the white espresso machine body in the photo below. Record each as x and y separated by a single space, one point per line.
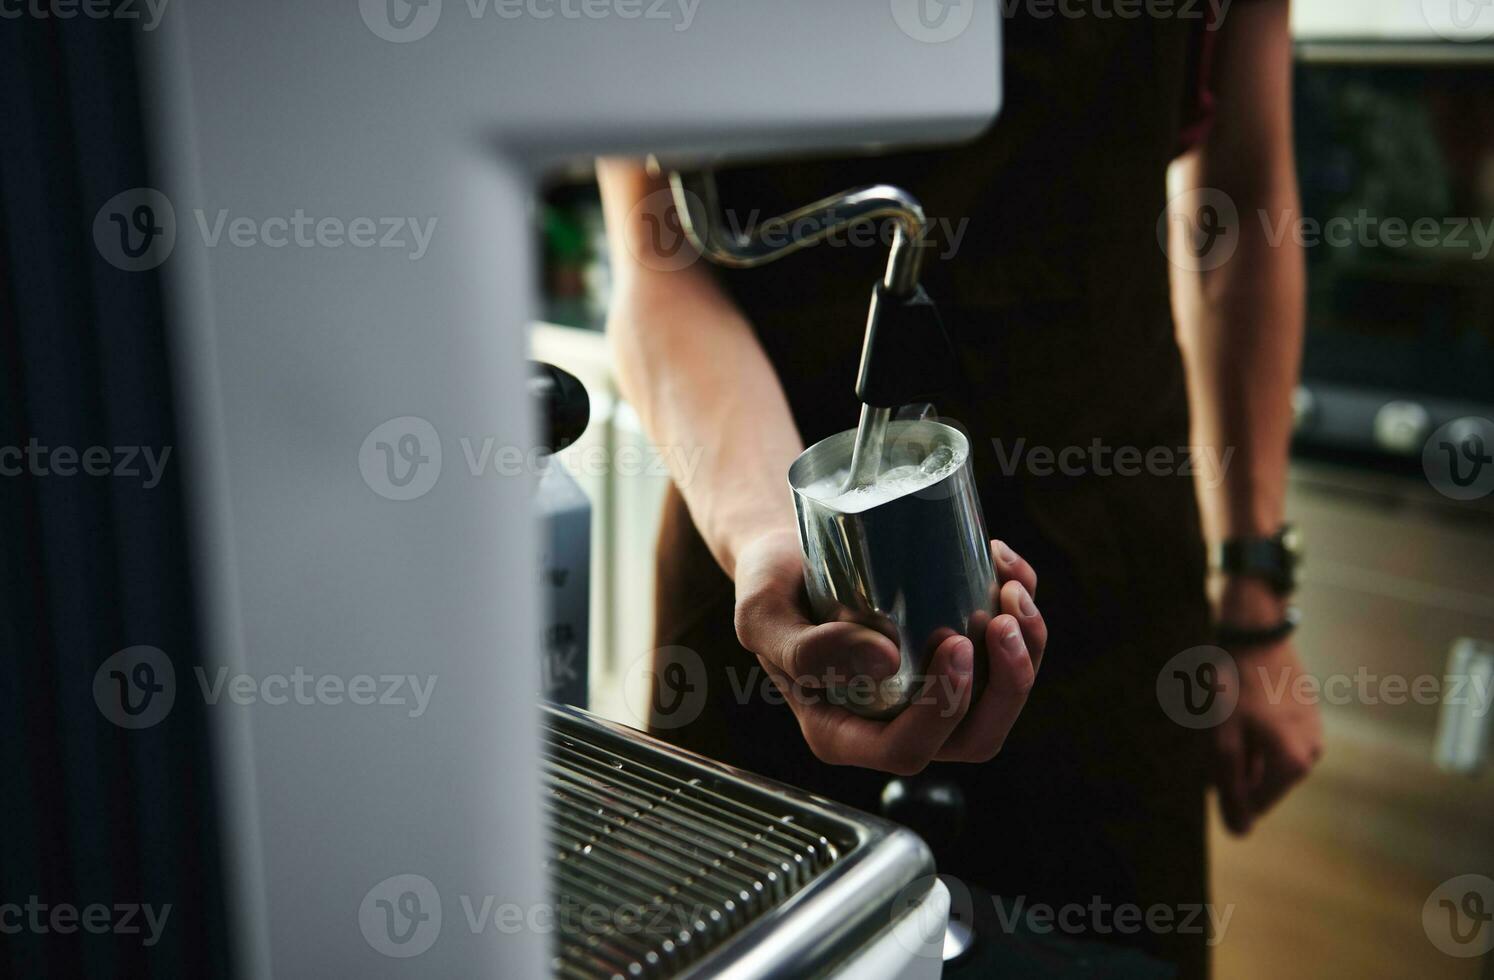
350 284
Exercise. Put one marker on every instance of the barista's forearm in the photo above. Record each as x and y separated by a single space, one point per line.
692 367
704 389
1241 331
1241 324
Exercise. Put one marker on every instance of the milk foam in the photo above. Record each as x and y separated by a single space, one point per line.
898 481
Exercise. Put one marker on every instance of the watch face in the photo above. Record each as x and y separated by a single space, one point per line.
1275 559
1291 547
1291 540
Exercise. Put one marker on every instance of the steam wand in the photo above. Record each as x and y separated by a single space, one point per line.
697 201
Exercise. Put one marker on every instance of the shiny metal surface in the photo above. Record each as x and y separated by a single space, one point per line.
866 452
914 568
699 207
724 874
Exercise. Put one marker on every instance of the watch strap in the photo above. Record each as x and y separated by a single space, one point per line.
1235 637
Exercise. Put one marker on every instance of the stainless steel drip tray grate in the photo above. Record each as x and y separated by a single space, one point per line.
665 864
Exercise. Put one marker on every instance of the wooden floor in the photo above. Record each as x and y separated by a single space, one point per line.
1332 883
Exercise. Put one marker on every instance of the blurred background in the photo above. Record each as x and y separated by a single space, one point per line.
1394 119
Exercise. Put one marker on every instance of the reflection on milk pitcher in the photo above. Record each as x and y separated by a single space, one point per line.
906 555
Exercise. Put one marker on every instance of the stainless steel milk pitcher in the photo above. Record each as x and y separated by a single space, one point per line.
912 566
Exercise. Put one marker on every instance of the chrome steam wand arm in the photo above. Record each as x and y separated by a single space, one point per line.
699 206
698 203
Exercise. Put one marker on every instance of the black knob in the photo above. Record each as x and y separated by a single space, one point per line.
561 404
934 808
930 806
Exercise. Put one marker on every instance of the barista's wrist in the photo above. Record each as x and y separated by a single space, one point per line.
1251 615
1249 602
755 531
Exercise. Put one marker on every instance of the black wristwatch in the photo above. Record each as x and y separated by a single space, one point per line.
1274 560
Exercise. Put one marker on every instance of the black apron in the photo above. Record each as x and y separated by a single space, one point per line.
1049 273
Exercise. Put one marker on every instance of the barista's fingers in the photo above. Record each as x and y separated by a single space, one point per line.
1010 565
838 654
1231 776
773 627
909 742
991 718
1017 602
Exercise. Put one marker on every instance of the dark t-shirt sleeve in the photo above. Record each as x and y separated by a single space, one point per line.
1198 95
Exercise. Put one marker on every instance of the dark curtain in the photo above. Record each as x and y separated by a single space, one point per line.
92 813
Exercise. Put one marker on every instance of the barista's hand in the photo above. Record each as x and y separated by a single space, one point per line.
1270 741
772 620
1274 736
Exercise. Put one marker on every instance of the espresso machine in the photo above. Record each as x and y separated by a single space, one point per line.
337 824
